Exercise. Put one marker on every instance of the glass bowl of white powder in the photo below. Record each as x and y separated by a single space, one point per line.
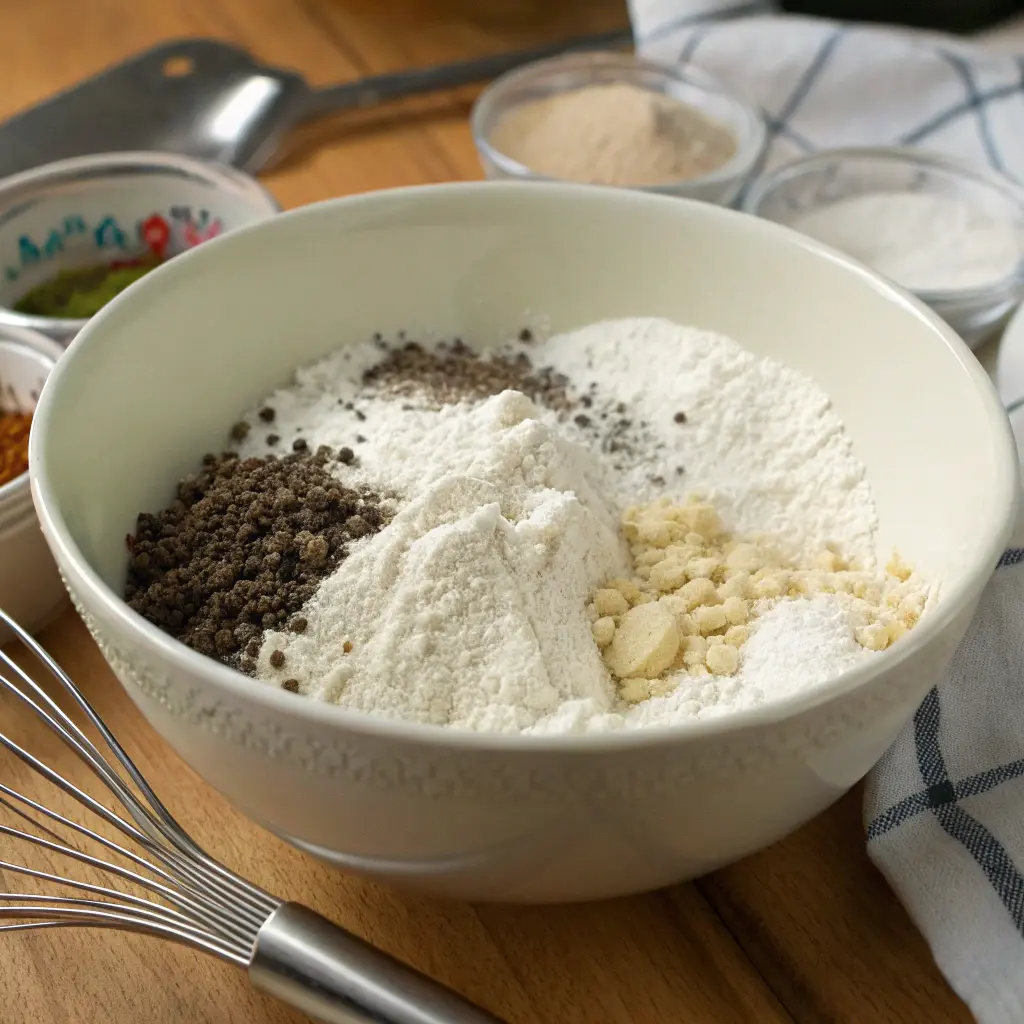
946 230
618 120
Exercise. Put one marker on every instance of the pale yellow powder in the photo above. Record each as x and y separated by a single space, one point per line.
697 587
616 134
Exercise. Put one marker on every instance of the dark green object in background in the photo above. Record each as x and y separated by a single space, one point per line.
945 15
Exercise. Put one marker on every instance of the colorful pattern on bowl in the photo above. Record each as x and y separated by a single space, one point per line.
163 233
112 209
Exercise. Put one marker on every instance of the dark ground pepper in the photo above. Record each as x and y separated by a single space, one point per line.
243 547
453 372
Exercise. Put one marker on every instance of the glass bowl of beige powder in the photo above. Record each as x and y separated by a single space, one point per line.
619 120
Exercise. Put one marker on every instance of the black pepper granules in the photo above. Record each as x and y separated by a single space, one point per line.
243 547
453 372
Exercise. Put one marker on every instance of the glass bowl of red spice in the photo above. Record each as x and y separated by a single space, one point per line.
30 586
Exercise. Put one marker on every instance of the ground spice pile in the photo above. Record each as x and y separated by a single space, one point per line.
243 547
14 429
452 372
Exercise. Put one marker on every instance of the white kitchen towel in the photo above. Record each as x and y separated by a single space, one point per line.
823 84
944 808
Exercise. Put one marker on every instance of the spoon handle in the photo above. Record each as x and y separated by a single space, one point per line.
368 92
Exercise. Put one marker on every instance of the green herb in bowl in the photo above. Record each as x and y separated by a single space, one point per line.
81 293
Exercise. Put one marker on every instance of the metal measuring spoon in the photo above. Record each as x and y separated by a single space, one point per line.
210 100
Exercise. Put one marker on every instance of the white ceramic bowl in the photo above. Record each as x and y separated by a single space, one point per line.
94 210
30 587
502 817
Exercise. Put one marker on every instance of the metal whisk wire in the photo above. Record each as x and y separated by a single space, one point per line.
174 889
197 901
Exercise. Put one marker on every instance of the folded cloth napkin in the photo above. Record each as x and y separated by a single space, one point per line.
945 807
823 84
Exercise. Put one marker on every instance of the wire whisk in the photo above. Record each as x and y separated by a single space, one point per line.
157 881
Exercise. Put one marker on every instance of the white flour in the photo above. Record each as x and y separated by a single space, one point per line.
760 440
471 600
468 609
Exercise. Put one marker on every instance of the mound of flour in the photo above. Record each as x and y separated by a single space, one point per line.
468 609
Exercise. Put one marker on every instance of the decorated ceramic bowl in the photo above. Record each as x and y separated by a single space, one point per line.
83 219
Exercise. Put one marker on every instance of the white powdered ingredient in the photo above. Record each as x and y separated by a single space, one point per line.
760 440
922 241
793 647
468 609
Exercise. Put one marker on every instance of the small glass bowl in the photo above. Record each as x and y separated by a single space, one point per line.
811 182
575 71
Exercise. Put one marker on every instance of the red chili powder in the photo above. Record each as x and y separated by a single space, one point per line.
14 428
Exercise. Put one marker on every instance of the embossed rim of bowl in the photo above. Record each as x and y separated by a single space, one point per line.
181 659
101 168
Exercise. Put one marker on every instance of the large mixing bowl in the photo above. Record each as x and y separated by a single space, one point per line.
159 376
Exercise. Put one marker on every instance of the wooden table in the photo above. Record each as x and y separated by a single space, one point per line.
805 931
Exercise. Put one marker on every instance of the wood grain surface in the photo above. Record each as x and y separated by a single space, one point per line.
805 931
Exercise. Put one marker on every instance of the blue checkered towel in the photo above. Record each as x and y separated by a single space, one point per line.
945 806
823 84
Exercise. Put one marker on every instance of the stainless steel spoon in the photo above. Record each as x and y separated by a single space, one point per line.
210 100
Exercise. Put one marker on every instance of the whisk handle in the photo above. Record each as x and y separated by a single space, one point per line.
314 966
